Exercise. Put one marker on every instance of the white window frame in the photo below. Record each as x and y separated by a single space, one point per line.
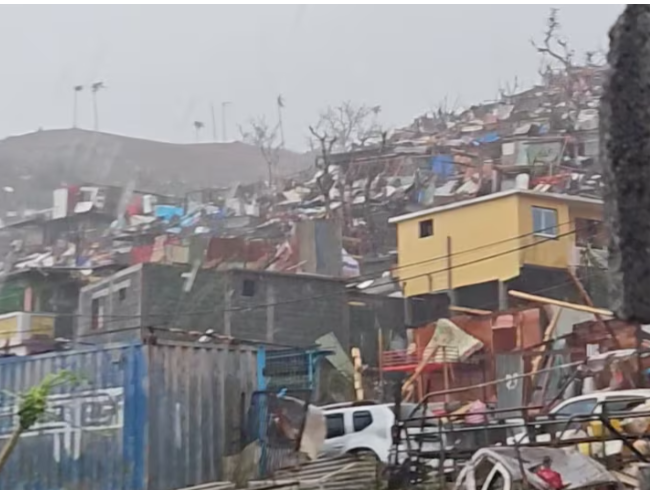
546 232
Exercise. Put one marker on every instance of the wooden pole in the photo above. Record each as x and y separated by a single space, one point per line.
548 334
587 299
450 285
426 357
380 361
470 311
564 304
445 373
358 381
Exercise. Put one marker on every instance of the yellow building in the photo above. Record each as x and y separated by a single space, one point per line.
493 239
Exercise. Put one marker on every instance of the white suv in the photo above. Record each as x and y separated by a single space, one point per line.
359 427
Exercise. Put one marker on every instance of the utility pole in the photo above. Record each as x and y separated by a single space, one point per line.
76 89
198 126
96 87
214 124
224 128
280 103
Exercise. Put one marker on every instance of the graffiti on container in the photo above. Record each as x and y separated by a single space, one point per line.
69 417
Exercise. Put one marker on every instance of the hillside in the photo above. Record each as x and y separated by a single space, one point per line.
35 163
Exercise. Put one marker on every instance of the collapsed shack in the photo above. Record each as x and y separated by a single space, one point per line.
614 431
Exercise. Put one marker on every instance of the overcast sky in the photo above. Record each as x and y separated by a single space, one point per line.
165 65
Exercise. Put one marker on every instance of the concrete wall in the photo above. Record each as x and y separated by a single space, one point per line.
476 231
489 241
119 302
288 309
291 309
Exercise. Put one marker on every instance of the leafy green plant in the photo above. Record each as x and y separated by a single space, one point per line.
33 406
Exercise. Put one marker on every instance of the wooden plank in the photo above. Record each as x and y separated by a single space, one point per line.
406 388
563 304
587 299
548 334
470 311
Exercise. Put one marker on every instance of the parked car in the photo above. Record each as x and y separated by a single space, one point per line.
611 401
366 427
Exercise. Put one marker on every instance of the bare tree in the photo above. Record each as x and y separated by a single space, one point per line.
373 171
557 48
553 44
324 180
349 124
267 139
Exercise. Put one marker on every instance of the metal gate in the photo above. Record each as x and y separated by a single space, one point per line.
288 369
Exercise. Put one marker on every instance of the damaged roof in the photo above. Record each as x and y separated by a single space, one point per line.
492 197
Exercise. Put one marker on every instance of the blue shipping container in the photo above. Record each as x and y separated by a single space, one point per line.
145 417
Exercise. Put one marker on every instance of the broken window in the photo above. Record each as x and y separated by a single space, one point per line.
248 288
121 294
96 314
590 233
544 222
426 228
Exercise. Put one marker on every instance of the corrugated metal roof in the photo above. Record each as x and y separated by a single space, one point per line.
491 197
341 473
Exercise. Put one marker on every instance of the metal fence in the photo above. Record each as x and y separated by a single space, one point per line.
289 369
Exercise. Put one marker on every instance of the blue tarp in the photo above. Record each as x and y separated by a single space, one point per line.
167 212
486 138
442 165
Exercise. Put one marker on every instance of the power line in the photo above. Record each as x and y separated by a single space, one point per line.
337 293
460 252
176 330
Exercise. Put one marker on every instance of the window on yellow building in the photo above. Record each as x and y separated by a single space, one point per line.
426 228
544 222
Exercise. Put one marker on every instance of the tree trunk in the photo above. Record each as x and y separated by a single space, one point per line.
9 446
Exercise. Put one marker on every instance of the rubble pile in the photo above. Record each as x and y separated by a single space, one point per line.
544 139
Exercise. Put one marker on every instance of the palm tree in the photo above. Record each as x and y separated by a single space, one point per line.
198 126
96 87
76 89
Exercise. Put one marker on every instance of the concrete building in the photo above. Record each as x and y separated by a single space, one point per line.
288 309
477 249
